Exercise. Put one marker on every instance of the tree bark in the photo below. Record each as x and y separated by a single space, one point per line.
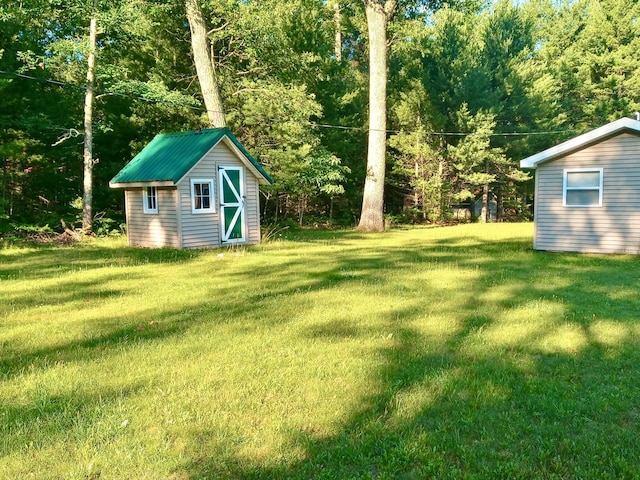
5 167
484 217
337 21
378 14
87 192
203 59
416 190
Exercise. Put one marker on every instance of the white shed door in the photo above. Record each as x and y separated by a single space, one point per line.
232 215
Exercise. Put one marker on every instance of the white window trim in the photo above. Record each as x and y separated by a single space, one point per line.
212 203
145 200
599 188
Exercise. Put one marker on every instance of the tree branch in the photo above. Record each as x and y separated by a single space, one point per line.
217 29
72 133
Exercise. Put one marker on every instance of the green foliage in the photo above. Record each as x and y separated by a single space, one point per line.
108 227
592 48
25 230
103 226
479 166
324 173
154 91
274 121
425 166
534 67
473 158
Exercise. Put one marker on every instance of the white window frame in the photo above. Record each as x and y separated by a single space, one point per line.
212 197
566 188
147 194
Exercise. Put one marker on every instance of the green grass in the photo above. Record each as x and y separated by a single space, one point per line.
453 352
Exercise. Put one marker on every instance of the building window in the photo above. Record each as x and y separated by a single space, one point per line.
582 187
202 200
150 200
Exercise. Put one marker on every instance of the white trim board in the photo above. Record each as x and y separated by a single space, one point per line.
581 141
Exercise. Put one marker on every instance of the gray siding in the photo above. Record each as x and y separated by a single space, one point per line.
612 228
252 208
203 230
152 230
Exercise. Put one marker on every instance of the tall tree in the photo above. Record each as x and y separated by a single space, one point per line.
87 191
378 15
480 166
204 60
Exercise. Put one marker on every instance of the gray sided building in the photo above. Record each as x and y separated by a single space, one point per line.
587 192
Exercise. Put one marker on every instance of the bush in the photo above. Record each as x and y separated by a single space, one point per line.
108 227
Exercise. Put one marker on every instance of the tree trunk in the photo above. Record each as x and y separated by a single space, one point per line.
416 190
5 165
302 206
87 192
371 219
484 215
203 59
440 189
337 21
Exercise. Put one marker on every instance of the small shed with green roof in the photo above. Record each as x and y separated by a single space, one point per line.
192 189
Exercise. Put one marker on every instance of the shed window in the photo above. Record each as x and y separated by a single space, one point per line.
582 187
202 199
150 200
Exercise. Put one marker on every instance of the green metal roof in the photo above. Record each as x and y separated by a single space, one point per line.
169 156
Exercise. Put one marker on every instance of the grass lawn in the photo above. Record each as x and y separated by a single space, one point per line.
445 353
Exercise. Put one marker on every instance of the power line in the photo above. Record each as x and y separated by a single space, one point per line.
103 94
442 134
45 80
312 124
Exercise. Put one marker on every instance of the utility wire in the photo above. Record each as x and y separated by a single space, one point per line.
103 94
45 80
442 134
312 124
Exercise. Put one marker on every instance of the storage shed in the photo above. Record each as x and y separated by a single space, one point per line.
587 192
192 190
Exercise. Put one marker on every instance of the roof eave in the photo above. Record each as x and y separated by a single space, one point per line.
142 184
581 141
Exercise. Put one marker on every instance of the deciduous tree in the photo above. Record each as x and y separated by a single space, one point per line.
378 16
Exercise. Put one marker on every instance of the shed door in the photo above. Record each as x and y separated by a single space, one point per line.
232 204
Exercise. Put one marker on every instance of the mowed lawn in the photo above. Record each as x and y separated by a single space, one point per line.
447 353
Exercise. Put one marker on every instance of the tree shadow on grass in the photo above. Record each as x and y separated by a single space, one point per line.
47 261
48 418
482 406
476 418
463 405
14 362
66 292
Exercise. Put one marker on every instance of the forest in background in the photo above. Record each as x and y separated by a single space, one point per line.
473 87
